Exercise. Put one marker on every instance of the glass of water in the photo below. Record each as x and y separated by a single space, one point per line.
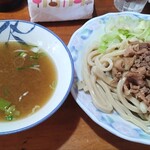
130 5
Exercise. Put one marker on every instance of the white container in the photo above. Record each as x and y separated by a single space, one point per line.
130 5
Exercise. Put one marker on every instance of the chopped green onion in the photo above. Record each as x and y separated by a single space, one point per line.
9 118
9 110
22 54
33 66
37 55
4 104
32 46
11 113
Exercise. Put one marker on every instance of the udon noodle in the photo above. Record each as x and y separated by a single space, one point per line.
112 80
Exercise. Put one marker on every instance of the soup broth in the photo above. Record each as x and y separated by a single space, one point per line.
28 78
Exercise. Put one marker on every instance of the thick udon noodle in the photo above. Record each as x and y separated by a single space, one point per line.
97 81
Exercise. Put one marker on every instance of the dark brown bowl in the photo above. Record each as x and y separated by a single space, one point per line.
9 5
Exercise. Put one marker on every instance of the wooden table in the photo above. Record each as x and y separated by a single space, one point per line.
69 128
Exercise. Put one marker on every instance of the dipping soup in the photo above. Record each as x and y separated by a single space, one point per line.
28 78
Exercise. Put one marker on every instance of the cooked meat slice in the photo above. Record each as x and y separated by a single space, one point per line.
135 78
128 62
119 64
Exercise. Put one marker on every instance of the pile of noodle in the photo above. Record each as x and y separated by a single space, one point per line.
98 81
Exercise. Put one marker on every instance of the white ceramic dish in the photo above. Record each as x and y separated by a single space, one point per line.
111 122
47 40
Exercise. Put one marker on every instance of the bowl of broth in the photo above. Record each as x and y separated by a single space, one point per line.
36 74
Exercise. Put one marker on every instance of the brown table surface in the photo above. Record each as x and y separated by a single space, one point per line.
69 128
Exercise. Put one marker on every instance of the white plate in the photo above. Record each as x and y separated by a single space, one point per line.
111 122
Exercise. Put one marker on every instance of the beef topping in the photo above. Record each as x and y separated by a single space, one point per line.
136 64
